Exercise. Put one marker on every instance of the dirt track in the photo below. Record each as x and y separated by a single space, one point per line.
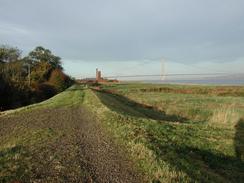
80 151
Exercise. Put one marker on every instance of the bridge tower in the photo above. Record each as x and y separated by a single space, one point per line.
163 73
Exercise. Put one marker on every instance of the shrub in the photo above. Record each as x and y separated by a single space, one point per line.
13 94
59 80
43 91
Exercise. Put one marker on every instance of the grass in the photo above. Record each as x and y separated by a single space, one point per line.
20 146
175 136
71 97
185 101
174 133
16 152
179 89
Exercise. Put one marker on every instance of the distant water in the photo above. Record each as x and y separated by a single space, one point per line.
229 82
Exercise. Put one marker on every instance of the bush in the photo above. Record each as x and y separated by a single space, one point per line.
13 94
60 80
43 91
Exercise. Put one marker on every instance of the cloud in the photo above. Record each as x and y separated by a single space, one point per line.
8 29
113 30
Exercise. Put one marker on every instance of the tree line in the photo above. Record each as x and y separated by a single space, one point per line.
29 79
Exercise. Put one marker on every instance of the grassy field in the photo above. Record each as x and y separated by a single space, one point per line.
174 133
196 103
179 133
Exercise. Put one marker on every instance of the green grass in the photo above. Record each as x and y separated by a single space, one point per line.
70 97
185 89
19 147
176 137
188 102
17 150
181 134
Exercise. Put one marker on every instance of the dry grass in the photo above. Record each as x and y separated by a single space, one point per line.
204 148
225 115
207 147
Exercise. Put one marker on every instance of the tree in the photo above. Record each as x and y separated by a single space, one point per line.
16 71
42 62
41 71
40 54
11 65
9 54
59 80
45 72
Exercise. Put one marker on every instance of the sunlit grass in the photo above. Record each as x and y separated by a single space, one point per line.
70 97
172 137
202 148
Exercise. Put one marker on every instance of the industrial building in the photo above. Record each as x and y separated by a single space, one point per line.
98 79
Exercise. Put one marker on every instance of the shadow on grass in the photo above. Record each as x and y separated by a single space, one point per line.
10 151
76 89
239 140
12 166
125 106
199 164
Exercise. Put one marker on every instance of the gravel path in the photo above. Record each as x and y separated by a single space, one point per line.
80 151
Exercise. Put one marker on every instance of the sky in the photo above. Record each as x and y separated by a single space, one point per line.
124 37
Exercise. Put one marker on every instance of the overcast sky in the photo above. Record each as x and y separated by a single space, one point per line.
121 35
